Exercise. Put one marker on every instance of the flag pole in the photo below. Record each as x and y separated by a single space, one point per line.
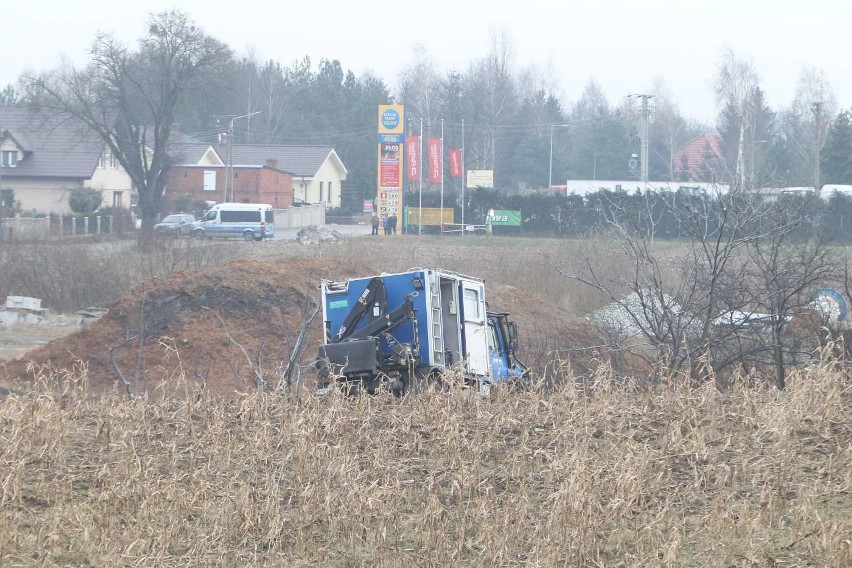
462 178
420 179
404 182
441 170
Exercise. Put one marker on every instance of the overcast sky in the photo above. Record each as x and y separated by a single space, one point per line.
623 45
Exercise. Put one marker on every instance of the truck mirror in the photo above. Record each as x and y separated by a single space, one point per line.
513 336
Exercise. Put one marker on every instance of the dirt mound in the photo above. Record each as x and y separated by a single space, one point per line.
217 327
318 234
184 322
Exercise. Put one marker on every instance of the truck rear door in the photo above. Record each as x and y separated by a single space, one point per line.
475 328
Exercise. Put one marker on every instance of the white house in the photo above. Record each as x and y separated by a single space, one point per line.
318 172
43 157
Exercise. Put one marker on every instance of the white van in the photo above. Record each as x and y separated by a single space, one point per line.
249 221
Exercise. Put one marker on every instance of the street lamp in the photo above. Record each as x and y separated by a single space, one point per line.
229 177
550 176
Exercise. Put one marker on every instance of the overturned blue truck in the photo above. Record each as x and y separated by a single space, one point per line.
405 331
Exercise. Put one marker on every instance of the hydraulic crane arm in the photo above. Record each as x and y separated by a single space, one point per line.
373 301
387 322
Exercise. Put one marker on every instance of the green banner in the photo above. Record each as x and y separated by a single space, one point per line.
498 217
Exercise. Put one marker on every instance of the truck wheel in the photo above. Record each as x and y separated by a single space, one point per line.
431 383
248 236
198 234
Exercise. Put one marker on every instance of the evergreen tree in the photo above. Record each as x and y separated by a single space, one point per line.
836 157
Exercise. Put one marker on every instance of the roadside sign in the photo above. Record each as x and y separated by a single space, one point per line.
431 216
503 217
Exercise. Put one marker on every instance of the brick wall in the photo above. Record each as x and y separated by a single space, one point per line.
251 185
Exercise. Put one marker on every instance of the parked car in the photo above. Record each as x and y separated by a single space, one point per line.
175 225
249 221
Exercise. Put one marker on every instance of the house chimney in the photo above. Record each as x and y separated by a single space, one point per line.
270 163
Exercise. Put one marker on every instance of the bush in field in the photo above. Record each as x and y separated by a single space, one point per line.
69 276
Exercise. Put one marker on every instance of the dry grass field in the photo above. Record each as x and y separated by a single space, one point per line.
581 476
590 472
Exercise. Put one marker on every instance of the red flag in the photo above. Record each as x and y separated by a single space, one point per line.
435 161
455 162
412 157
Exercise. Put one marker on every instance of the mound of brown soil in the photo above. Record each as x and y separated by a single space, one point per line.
201 325
217 328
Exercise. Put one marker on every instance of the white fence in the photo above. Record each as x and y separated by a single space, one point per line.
31 228
304 216
24 228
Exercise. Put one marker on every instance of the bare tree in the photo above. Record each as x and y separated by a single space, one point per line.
419 88
735 85
788 264
128 98
492 92
804 123
725 297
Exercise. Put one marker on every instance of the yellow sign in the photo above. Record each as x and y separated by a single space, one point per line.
431 216
391 119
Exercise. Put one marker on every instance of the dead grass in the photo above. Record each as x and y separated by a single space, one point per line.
580 476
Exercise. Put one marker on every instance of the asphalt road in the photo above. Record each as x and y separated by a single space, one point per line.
345 230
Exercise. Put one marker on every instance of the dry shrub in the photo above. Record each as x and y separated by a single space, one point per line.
583 475
69 275
525 263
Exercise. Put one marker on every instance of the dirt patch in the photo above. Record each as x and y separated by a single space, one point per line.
204 326
179 326
18 339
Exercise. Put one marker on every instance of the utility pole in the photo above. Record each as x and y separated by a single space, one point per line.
817 109
462 178
229 167
644 132
550 171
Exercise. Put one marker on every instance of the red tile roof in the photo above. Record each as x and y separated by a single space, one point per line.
700 160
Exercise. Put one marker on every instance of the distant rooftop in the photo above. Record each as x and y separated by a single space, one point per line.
55 146
298 160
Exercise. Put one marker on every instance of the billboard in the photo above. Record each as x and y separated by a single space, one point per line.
390 161
480 178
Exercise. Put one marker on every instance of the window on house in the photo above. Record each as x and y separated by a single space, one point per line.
329 190
10 158
209 180
117 198
112 162
321 189
102 160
